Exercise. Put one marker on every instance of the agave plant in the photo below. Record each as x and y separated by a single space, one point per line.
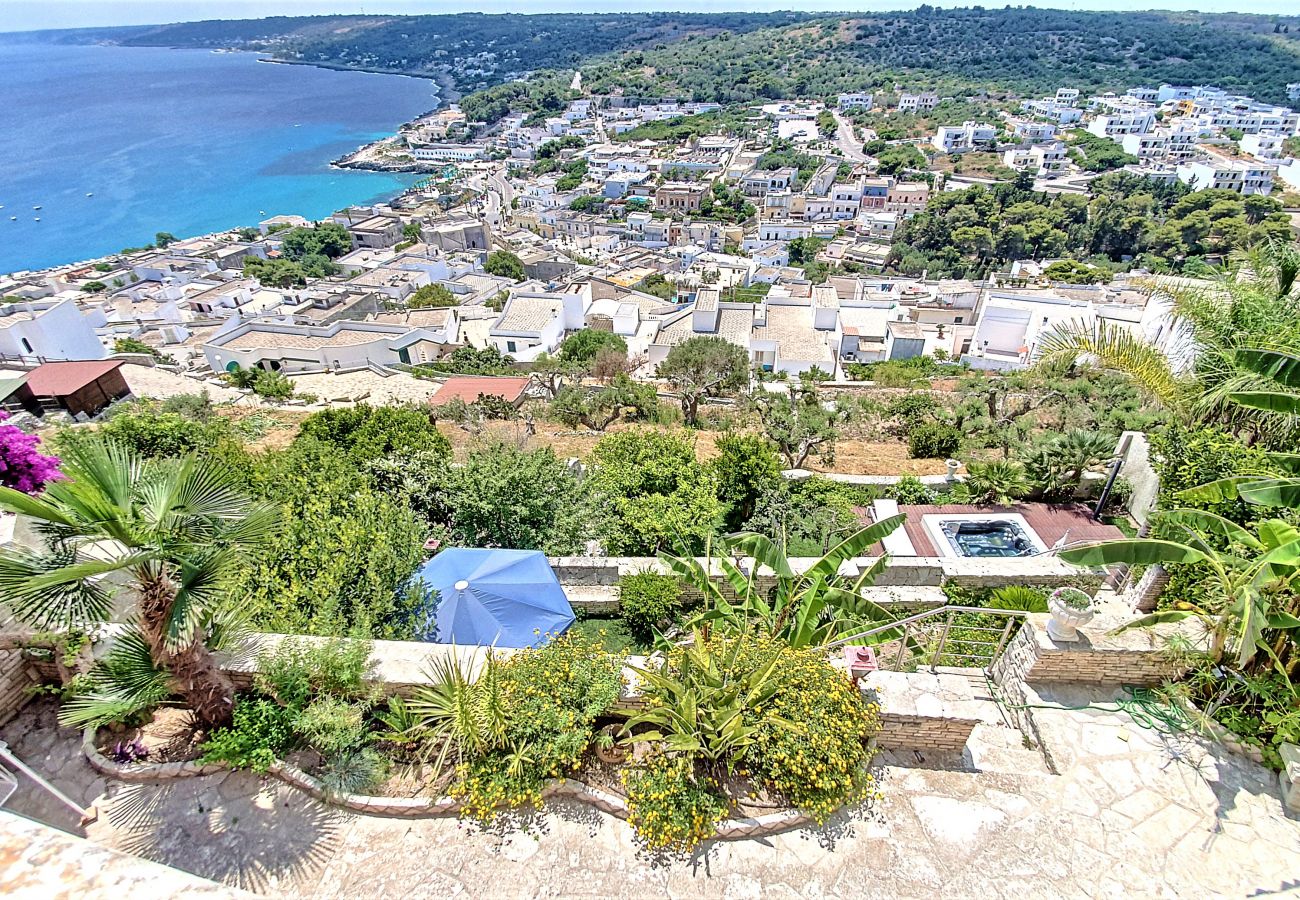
175 528
461 716
700 699
1254 580
805 608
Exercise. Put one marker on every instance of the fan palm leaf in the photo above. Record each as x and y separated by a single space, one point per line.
176 528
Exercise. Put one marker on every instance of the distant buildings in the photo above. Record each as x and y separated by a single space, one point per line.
859 100
1222 170
964 137
449 152
916 103
680 196
40 330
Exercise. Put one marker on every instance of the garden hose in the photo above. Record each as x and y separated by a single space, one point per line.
1144 706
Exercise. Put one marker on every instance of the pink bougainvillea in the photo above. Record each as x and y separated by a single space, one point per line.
22 466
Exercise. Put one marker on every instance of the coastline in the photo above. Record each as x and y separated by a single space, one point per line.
359 159
447 93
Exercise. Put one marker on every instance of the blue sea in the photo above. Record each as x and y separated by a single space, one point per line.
185 141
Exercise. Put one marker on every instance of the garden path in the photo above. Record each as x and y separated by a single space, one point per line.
1133 812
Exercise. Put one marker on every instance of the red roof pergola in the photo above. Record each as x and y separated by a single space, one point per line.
468 388
59 379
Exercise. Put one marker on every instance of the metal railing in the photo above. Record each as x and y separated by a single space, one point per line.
960 636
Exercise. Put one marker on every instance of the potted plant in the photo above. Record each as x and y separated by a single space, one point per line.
1069 608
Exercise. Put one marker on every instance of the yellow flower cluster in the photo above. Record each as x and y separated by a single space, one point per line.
671 811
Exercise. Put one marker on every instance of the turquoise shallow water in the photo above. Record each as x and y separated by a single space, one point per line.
185 141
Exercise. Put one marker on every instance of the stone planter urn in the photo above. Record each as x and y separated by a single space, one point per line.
1069 608
953 465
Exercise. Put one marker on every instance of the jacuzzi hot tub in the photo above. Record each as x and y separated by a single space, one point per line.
982 535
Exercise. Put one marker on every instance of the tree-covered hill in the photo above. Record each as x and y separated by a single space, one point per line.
1017 50
739 57
476 49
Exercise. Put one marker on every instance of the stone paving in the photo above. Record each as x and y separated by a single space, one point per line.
1133 813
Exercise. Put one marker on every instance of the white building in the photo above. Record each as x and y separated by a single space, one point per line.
337 346
922 102
858 100
1012 325
1122 121
1215 169
450 152
1061 113
533 322
781 333
1041 159
963 137
40 330
1262 146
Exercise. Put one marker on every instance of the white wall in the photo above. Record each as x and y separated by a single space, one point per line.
57 331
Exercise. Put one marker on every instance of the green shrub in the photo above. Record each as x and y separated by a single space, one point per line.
296 671
648 601
370 432
911 410
933 440
909 491
260 732
668 807
332 726
552 696
822 763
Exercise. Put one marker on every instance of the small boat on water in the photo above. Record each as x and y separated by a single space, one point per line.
13 218
90 193
35 207
36 218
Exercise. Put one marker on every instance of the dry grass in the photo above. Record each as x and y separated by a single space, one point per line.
853 456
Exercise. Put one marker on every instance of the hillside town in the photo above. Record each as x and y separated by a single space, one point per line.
775 235
884 494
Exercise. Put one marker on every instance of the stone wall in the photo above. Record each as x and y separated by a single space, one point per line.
15 677
1100 657
914 571
927 712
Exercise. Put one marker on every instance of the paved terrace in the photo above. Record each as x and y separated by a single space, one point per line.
1133 813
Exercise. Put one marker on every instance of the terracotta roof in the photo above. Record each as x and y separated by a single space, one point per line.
468 388
58 379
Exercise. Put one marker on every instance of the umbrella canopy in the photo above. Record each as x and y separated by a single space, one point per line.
503 598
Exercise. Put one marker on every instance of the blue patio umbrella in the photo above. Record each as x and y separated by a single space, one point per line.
503 598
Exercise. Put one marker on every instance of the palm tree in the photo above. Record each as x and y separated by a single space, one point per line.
1250 307
175 528
999 481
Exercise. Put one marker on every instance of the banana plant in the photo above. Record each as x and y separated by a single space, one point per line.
700 699
1255 577
1282 489
806 608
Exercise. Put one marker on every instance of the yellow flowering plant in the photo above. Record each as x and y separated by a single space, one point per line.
671 809
552 696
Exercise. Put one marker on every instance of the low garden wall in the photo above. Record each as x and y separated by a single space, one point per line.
578 572
927 712
560 788
1102 656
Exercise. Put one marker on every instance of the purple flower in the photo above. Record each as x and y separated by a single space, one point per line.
128 751
22 466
